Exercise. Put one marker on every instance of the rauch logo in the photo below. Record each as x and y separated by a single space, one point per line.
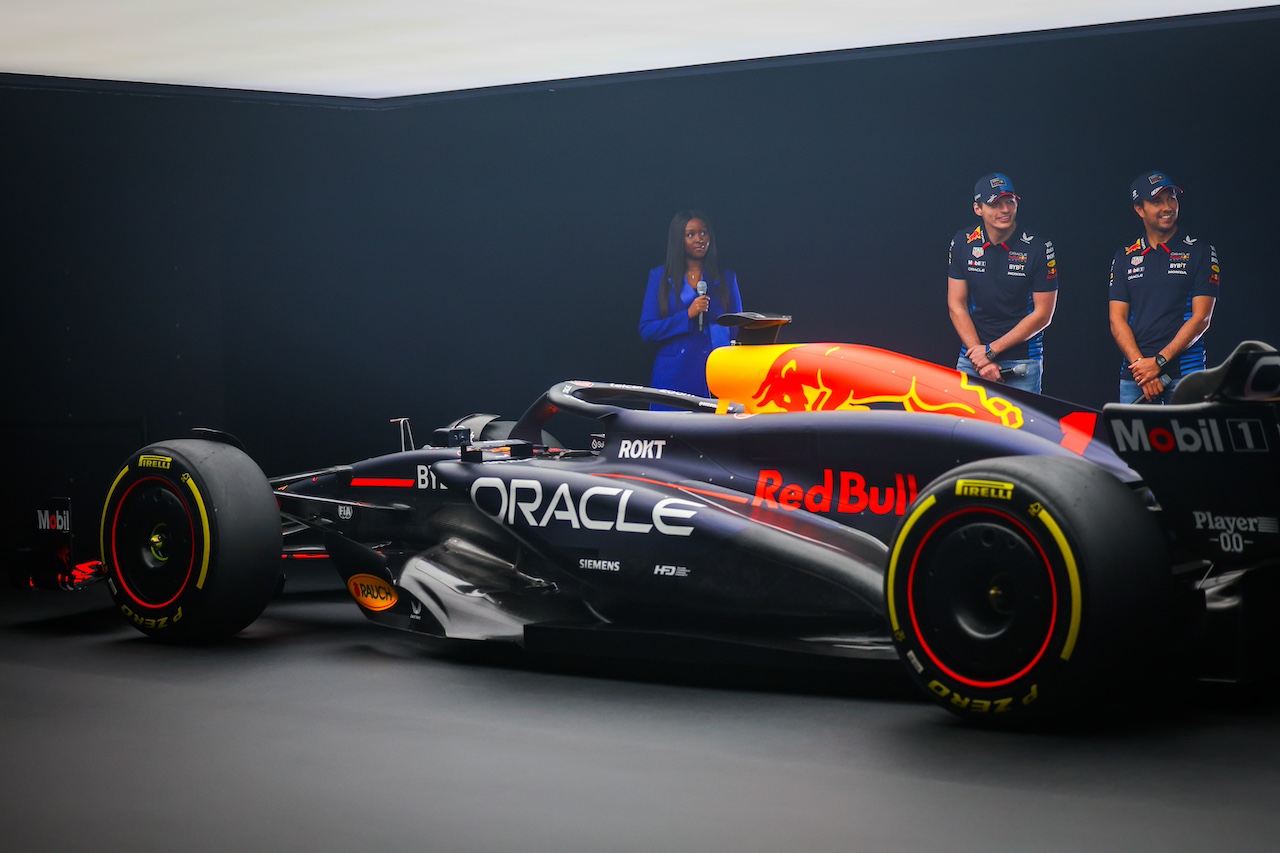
372 592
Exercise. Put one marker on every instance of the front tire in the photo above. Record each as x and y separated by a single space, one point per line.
1028 588
191 540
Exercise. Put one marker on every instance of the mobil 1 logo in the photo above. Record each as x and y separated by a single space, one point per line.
1190 435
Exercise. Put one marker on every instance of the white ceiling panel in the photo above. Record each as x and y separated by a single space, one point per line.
387 48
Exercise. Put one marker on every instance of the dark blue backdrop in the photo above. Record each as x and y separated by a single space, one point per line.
300 270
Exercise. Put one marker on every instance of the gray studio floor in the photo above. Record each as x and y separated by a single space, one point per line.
316 731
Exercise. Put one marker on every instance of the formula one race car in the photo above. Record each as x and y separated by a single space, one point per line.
1020 556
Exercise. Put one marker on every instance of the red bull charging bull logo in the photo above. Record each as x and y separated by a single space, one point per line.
834 377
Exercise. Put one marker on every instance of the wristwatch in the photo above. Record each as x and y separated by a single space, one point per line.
990 355
1161 361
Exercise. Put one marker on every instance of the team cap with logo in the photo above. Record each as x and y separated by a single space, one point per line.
1148 185
993 186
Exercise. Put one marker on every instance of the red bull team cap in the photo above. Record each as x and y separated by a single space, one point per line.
993 186
1148 185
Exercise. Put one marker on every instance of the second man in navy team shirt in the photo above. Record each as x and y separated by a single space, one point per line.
1163 290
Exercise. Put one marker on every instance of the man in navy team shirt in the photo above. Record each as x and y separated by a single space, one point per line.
1002 287
1163 290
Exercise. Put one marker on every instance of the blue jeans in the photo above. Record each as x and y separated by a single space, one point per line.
1131 392
1021 373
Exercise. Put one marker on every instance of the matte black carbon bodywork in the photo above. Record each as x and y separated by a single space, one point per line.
775 527
1014 551
774 530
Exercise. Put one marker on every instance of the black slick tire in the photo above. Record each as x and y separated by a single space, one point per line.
191 540
1029 588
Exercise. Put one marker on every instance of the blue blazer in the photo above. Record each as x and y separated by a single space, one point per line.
681 362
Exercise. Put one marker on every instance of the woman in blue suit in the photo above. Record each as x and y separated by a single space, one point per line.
680 316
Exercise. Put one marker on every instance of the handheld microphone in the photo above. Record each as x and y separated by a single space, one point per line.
702 291
1142 398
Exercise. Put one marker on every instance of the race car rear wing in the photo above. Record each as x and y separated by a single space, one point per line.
1250 373
1212 457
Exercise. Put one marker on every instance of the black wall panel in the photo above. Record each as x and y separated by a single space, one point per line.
298 271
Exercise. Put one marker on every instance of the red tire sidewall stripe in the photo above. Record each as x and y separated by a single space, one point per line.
911 604
115 559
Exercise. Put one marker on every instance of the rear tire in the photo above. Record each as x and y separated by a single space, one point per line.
191 540
1027 588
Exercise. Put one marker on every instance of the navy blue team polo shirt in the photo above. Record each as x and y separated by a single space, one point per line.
1158 283
1001 278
